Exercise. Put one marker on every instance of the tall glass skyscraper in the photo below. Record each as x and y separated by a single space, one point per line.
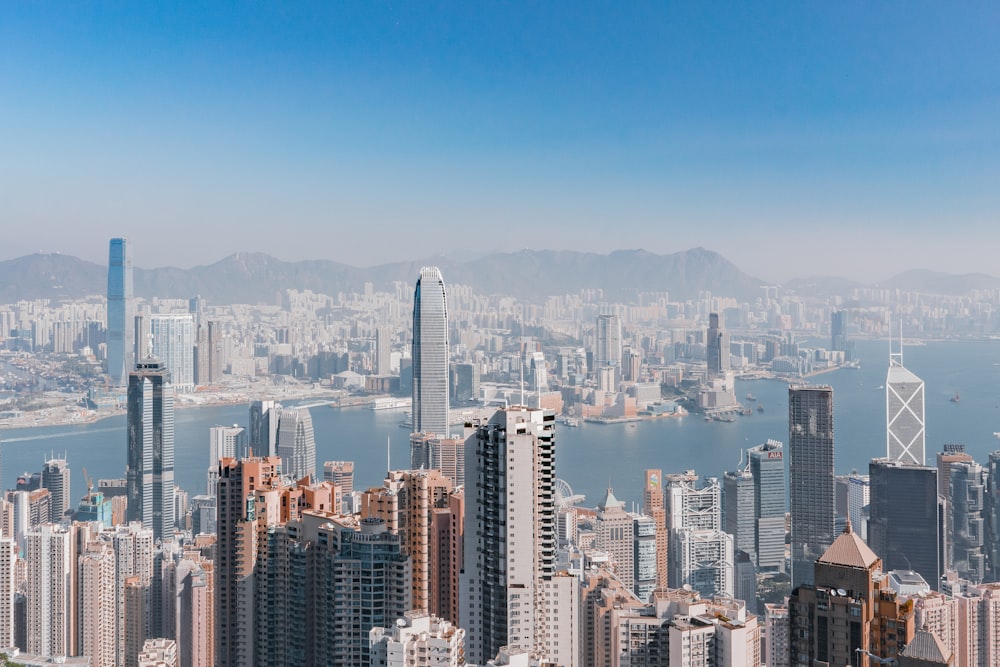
810 466
430 354
121 311
767 466
173 343
297 443
149 470
904 414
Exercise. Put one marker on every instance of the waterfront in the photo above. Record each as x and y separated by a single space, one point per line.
594 455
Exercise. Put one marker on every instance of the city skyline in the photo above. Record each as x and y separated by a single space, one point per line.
710 126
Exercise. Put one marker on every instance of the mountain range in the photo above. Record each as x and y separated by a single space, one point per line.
530 274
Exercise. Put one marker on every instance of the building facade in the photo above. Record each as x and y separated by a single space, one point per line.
430 354
121 311
150 466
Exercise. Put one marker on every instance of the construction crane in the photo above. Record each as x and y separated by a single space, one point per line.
88 481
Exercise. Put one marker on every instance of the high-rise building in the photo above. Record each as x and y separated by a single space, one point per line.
717 346
906 518
406 503
418 640
430 354
341 473
644 554
383 351
993 515
967 521
133 546
608 342
767 466
8 588
851 613
263 432
447 556
297 443
444 454
810 466
776 635
738 510
51 558
652 506
224 442
904 413
97 621
510 533
615 536
150 464
55 478
701 553
838 330
121 310
173 344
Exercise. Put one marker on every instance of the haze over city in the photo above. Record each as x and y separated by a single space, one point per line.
848 139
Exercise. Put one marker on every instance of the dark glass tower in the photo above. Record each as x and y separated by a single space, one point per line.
430 354
810 466
121 311
906 516
149 471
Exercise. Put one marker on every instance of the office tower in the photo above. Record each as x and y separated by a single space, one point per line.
55 478
383 351
738 510
850 608
143 345
121 310
615 536
767 466
97 621
430 354
297 443
224 442
51 557
858 500
510 532
418 639
904 412
701 553
967 524
951 454
838 330
905 518
810 466
993 515
607 342
776 636
652 506
341 473
444 454
406 503
207 354
644 574
716 346
464 383
263 433
8 588
173 344
150 464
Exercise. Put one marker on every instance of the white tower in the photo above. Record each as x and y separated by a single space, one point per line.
904 411
430 354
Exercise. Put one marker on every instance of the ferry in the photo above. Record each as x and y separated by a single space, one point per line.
751 397
956 398
390 403
570 421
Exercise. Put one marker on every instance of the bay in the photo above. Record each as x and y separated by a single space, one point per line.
593 456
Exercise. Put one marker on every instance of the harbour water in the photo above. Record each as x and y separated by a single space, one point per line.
592 456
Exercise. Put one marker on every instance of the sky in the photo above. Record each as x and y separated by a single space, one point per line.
854 139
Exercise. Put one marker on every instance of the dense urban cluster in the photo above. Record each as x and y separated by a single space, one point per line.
477 553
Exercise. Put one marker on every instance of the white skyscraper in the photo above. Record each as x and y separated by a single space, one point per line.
430 354
608 342
224 441
701 553
173 344
904 412
510 534
51 569
297 443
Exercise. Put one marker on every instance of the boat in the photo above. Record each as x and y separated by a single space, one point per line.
956 398
751 397
760 407
996 434
571 422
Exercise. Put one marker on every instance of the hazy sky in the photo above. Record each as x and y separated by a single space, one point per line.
796 138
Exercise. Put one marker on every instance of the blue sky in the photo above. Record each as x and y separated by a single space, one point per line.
795 138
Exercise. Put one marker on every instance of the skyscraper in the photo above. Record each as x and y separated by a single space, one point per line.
616 535
51 558
905 517
767 466
121 310
297 443
149 469
383 350
264 419
55 478
701 553
738 510
810 449
430 354
510 533
173 344
652 506
608 342
838 330
224 442
904 413
717 346
967 523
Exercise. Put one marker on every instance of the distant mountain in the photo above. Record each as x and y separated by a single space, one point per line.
259 278
935 282
822 286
